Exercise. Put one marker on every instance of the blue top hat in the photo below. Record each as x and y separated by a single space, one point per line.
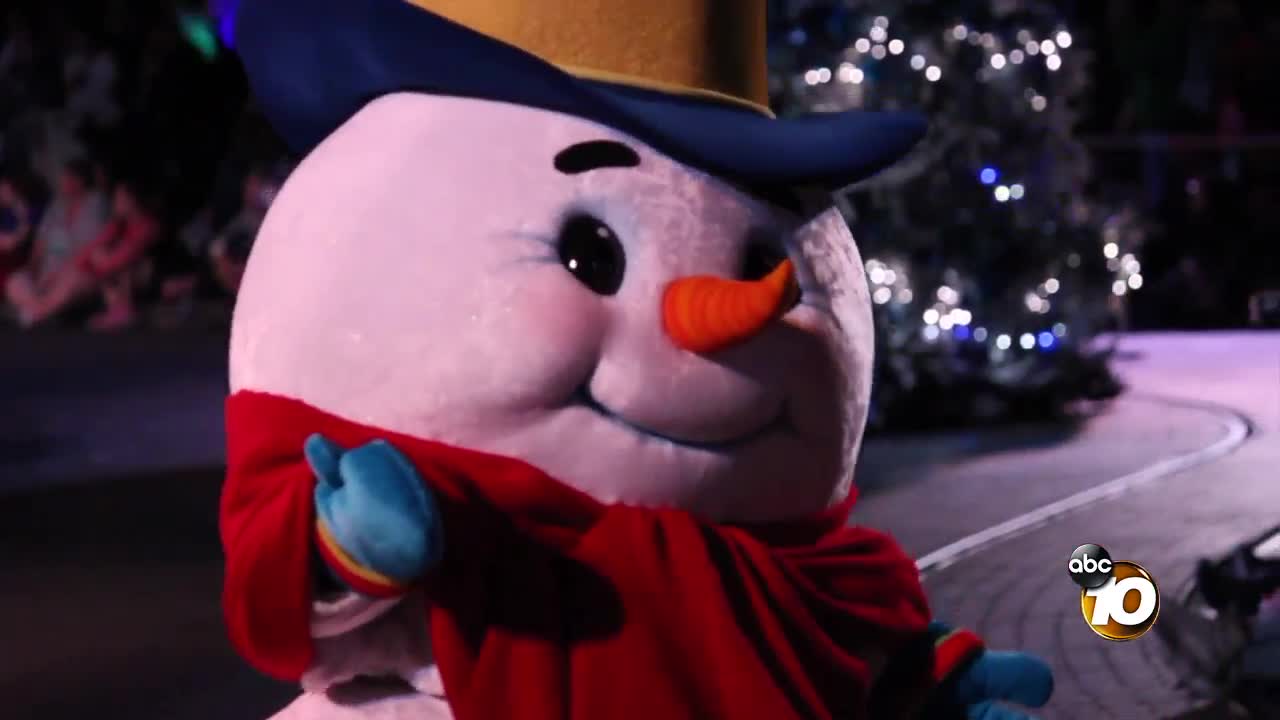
686 76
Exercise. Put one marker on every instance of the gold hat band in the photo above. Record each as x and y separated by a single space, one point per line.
709 49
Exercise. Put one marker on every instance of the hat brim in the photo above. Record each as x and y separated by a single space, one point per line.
312 64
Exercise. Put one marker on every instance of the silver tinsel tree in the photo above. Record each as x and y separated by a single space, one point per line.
990 265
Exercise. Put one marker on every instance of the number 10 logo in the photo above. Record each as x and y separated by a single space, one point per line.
1125 607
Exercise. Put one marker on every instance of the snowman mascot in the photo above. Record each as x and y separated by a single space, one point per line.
549 370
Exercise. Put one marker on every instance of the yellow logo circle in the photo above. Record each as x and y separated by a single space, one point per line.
1126 606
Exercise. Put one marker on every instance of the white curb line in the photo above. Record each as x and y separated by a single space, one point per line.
1237 429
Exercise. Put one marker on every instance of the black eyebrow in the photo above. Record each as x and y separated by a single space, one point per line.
595 154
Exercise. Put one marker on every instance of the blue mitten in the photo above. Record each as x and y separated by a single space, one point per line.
994 677
377 526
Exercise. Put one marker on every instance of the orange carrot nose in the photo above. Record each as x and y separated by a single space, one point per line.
704 314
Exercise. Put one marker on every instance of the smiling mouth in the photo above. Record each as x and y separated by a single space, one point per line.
583 397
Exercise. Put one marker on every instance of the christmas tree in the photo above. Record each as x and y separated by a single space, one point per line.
990 267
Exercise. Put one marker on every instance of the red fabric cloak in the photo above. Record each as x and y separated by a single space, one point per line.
549 604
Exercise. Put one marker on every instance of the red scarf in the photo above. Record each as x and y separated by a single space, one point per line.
549 604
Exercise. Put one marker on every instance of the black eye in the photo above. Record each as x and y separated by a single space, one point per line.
592 252
760 258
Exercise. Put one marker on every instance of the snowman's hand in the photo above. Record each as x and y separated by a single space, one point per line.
1000 676
1009 677
378 529
979 684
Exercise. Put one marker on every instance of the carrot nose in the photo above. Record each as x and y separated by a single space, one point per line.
704 314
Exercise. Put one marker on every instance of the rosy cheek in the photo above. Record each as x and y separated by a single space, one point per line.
541 341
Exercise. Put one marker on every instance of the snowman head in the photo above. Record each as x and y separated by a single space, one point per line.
495 276
546 238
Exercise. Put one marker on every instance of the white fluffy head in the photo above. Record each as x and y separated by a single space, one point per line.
408 277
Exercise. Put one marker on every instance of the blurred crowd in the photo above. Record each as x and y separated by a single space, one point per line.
134 169
1187 113
1186 66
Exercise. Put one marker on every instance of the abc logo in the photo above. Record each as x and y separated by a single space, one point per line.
1119 599
1090 566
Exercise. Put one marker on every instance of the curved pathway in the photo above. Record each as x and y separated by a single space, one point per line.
1181 476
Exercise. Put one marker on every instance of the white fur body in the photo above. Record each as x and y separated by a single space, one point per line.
405 278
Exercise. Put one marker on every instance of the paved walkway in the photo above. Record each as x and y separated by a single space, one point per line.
1016 591
1001 475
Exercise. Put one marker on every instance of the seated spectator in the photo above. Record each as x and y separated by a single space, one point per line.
115 261
230 248
21 203
207 250
90 76
49 281
183 271
52 143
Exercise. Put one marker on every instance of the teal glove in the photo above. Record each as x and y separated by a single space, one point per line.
997 676
377 526
978 685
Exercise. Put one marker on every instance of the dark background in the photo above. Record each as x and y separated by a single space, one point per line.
1182 113
109 589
